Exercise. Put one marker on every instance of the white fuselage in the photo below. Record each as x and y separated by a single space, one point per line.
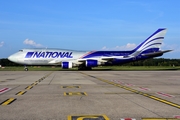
45 56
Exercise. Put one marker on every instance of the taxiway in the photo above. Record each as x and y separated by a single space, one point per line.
97 95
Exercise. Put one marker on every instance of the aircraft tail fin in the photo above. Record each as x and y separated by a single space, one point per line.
153 42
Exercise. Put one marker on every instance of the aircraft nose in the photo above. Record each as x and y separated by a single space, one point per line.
12 58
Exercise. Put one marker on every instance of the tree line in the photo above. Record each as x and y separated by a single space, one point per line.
155 62
6 62
148 62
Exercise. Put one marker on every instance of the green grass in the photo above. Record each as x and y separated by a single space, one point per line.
110 68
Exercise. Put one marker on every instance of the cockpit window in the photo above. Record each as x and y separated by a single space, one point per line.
20 50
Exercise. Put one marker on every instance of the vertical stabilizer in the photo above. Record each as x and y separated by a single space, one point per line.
152 43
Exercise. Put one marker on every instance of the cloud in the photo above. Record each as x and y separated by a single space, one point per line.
1 43
128 46
174 47
31 43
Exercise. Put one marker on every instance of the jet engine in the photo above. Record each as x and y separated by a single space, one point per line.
92 63
66 65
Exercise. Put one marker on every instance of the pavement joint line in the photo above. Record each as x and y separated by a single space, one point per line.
137 92
70 87
116 93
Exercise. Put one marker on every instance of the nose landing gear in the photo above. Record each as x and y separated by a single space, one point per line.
25 68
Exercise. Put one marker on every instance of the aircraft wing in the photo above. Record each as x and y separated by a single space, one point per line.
105 58
59 62
55 61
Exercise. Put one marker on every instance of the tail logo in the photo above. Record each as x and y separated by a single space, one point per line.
153 42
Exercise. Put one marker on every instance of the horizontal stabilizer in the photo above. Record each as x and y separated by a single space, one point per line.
159 53
117 57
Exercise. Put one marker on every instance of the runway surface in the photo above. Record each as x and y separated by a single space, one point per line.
89 95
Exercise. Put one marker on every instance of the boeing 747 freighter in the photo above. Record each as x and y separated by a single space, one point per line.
87 59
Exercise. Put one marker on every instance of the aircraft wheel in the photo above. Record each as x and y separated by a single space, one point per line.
84 68
26 69
88 68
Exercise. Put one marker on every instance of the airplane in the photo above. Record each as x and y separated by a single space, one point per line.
85 60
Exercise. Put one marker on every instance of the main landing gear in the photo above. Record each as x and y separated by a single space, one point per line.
84 68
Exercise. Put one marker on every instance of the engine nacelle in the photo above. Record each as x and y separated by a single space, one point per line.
66 65
91 63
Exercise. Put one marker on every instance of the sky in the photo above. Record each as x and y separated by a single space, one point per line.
87 24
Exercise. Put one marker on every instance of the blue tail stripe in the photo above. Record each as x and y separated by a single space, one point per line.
154 40
159 30
152 45
149 50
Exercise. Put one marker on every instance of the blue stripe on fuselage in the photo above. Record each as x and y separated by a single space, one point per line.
118 53
108 53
